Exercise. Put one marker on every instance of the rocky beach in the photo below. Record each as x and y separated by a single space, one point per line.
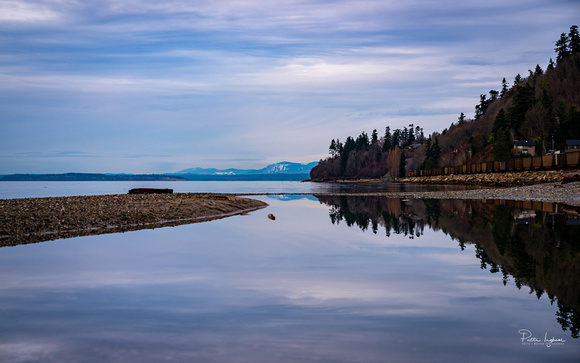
509 179
31 220
555 186
568 194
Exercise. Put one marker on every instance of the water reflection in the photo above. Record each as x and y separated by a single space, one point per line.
297 289
537 248
383 187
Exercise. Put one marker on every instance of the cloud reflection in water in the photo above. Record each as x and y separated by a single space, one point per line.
250 289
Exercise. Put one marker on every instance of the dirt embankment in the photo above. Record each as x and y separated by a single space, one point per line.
33 220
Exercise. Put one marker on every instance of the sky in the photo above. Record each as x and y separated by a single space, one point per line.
147 86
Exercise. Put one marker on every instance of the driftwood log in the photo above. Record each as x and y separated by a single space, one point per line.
570 177
150 191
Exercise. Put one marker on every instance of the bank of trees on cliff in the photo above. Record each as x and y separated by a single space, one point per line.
541 107
370 157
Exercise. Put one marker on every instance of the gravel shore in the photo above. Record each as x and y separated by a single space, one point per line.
31 220
508 179
548 192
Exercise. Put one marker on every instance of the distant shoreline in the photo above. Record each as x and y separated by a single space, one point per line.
151 177
91 177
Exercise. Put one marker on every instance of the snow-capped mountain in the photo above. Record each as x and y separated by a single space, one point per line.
284 167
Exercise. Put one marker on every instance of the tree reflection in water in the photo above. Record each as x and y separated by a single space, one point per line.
535 244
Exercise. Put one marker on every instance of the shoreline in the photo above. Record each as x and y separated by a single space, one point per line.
506 179
503 179
567 194
31 220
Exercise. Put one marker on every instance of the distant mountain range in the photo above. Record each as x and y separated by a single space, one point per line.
279 171
284 167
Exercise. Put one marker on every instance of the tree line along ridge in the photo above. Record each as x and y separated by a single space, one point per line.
541 108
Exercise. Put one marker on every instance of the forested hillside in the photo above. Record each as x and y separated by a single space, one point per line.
369 158
542 107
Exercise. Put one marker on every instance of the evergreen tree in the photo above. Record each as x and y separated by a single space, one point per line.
546 94
504 87
339 147
501 121
396 139
411 135
574 37
550 65
480 109
561 49
517 79
332 148
538 71
436 152
548 103
461 118
374 137
418 131
388 142
523 100
405 137
402 165
432 153
349 146
503 145
362 141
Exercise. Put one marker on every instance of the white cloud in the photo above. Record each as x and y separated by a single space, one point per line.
26 12
255 70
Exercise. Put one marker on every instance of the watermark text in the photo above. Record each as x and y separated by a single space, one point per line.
548 341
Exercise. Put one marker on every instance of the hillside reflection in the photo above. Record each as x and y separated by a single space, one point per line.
532 244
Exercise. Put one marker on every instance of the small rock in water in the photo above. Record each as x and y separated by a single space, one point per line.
272 217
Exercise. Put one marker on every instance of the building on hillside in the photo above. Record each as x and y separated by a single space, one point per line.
572 145
524 148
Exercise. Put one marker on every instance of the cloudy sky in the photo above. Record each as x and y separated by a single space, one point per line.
147 86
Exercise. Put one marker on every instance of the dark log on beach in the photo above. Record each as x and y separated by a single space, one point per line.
571 177
150 191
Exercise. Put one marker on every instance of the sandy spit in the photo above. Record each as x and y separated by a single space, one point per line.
31 220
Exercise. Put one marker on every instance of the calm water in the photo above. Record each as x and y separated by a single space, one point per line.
10 190
336 279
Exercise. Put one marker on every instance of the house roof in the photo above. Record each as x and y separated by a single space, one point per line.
573 142
523 143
